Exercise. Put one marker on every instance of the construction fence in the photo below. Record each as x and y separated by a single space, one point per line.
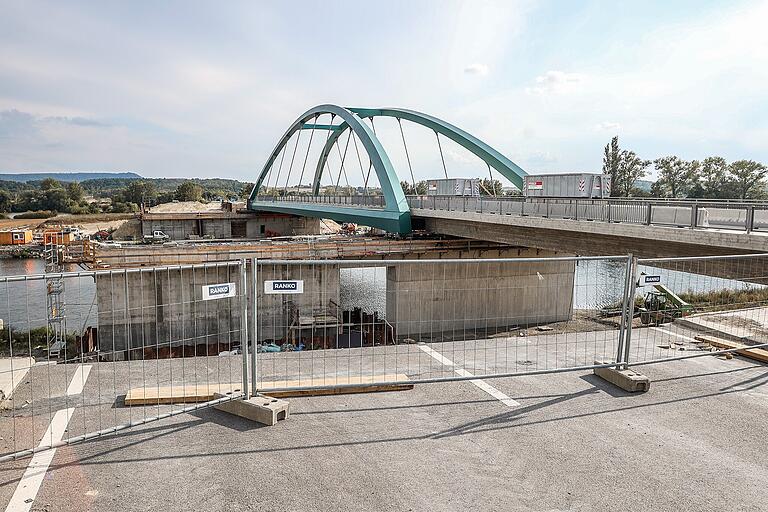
96 352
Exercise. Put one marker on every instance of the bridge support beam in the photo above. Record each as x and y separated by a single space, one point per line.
585 243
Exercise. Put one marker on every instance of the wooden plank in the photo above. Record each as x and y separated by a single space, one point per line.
758 354
319 387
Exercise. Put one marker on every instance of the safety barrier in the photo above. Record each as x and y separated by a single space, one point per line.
86 354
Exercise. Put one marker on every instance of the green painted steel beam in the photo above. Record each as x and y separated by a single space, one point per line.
396 204
388 220
313 126
506 167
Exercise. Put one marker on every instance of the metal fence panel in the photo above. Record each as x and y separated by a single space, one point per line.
78 342
695 306
332 323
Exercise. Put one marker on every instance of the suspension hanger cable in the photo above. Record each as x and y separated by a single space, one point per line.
325 162
359 160
279 169
265 183
445 170
341 167
293 157
306 155
370 162
407 155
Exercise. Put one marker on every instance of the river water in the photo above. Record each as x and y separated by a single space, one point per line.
24 303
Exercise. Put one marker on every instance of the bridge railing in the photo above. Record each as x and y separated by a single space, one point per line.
369 201
730 214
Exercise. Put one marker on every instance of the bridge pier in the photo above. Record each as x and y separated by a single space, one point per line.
478 299
161 313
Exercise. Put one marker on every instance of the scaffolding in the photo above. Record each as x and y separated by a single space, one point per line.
56 303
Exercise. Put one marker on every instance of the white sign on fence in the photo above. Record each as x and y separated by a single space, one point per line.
284 286
218 291
649 280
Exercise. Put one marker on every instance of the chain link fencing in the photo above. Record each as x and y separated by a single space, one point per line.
90 353
77 347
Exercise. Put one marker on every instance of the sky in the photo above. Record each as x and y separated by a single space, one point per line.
206 89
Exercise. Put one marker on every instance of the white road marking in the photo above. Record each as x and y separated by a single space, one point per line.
682 337
29 485
495 393
78 379
10 379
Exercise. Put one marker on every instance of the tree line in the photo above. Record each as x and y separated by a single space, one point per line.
710 178
112 195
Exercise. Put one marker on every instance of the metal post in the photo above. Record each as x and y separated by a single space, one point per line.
624 308
694 215
631 311
244 326
750 218
254 346
649 215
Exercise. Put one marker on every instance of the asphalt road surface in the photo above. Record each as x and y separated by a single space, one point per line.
568 441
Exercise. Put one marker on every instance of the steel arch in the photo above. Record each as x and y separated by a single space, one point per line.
489 155
394 217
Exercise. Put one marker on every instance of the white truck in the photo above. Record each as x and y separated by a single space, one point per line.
157 237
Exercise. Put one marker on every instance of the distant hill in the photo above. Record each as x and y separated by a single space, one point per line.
67 176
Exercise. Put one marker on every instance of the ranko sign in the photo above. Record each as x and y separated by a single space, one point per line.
284 286
219 291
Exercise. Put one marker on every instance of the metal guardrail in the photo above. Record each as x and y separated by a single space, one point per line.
731 214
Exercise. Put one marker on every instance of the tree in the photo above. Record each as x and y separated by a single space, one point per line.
419 190
56 199
624 167
630 169
713 182
49 184
245 191
6 199
490 187
140 191
75 192
189 191
747 176
676 176
611 160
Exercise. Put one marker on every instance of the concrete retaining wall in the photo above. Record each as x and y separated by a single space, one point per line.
477 298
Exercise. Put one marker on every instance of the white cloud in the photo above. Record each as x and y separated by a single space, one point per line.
476 69
556 82
607 126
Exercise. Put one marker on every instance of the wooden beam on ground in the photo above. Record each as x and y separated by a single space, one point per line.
192 393
758 354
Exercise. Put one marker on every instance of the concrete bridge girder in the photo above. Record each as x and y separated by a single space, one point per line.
601 239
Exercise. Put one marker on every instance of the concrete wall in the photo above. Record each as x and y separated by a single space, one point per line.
164 309
479 298
258 227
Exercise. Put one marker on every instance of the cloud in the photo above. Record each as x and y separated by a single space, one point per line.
15 123
607 126
77 121
476 69
556 82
